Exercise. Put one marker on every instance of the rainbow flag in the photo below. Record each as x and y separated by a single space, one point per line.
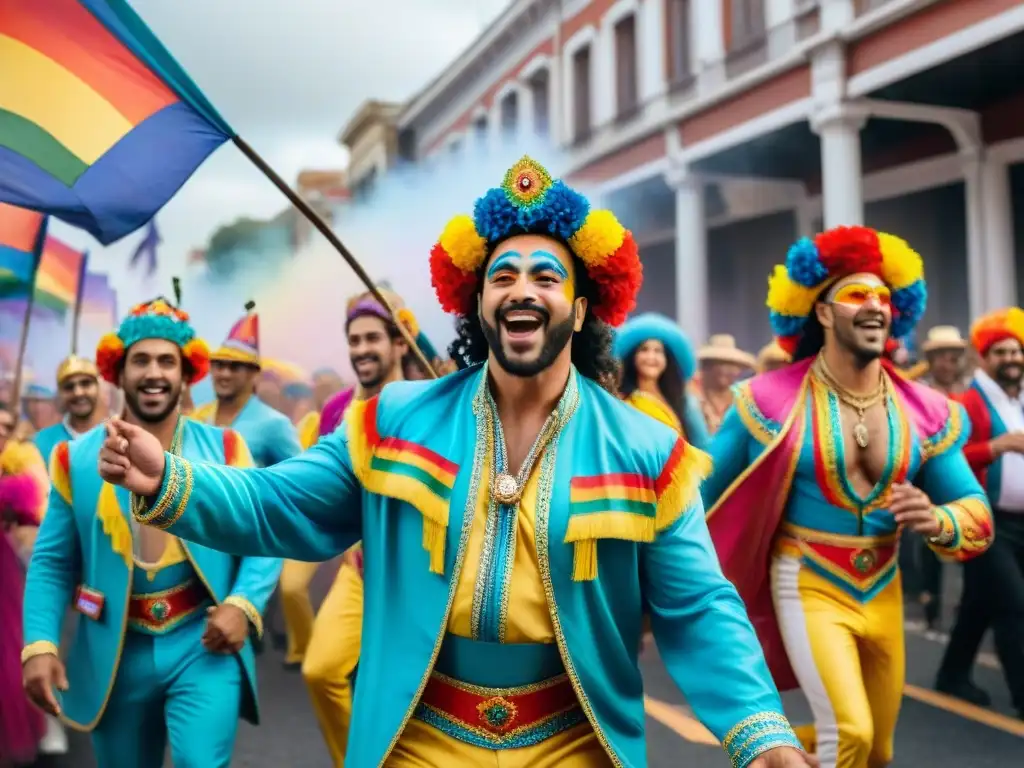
58 277
100 126
21 235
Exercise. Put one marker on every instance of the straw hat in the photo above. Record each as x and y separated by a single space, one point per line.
772 353
721 348
944 337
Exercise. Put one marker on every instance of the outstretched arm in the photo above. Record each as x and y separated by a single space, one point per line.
305 508
708 644
732 448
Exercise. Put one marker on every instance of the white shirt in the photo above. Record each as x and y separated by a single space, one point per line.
1011 411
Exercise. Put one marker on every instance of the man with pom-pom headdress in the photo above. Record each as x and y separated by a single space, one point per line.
142 593
516 518
995 451
818 469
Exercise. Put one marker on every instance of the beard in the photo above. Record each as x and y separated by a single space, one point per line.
556 337
1009 374
375 376
846 337
131 400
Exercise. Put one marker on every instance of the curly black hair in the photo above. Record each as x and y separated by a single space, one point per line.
591 345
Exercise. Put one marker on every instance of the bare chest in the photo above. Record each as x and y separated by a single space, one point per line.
866 442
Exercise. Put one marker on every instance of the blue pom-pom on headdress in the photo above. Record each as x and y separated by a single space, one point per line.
786 325
909 304
650 326
559 212
804 264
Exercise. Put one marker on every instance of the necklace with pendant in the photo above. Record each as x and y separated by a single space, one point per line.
507 489
859 403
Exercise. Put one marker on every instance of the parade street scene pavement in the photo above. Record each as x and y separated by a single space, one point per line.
934 729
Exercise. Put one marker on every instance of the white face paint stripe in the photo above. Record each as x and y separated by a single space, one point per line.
789 610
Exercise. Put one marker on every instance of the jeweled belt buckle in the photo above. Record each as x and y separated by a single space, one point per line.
864 560
497 714
159 609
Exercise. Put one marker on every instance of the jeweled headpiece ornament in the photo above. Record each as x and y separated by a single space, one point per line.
812 265
530 202
156 319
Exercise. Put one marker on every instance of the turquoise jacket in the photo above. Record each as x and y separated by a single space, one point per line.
46 439
368 482
79 543
271 437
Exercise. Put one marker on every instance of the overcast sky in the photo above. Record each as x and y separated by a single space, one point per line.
287 75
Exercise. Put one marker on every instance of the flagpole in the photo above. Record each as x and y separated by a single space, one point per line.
325 230
78 303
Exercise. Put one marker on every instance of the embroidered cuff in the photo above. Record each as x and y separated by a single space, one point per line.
171 500
970 521
243 604
38 648
755 735
948 537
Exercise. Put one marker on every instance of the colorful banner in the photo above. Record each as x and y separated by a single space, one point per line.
101 126
21 234
57 281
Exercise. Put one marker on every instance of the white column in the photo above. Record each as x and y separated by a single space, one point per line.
806 214
691 257
651 49
842 192
977 272
526 107
997 219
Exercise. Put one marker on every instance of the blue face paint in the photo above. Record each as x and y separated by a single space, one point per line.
538 262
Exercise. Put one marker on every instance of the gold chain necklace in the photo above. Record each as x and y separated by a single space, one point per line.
859 403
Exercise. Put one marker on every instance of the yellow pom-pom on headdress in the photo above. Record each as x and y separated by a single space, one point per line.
463 244
408 319
600 236
901 264
787 297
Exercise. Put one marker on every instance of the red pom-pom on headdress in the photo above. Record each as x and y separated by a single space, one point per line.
618 280
850 250
109 352
456 290
197 353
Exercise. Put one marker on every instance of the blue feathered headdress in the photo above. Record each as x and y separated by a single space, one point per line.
650 326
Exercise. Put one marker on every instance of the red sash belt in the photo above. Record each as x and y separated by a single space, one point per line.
857 559
500 713
159 612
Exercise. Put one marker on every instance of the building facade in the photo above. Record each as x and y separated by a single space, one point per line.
371 138
722 130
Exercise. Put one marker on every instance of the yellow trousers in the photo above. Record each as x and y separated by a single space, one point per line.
849 659
332 656
423 746
297 607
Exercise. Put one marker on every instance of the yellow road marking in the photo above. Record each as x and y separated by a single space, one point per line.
966 710
675 718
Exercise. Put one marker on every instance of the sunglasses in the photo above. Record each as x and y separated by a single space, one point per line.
858 294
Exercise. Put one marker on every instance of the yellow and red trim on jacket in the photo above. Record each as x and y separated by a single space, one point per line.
403 470
631 506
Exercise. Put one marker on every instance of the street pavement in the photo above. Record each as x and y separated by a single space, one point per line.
934 730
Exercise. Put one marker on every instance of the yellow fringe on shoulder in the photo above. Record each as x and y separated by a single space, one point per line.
413 492
114 523
59 477
359 449
683 488
584 531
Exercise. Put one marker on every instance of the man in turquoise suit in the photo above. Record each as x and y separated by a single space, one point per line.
271 437
517 520
145 667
